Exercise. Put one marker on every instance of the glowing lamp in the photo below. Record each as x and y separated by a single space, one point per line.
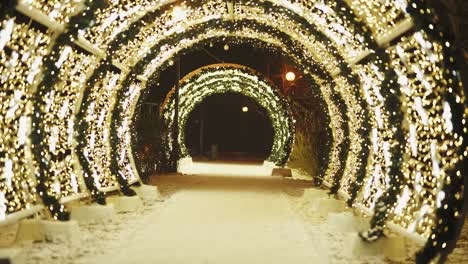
290 76
245 109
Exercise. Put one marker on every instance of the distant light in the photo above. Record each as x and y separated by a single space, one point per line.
245 109
290 76
226 47
179 13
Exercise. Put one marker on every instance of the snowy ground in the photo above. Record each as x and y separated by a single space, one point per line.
223 219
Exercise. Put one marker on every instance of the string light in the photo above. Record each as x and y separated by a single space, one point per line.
124 133
22 46
60 11
97 149
59 120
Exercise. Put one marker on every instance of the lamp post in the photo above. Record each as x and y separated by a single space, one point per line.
202 128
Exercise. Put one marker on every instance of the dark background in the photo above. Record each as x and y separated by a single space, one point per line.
237 133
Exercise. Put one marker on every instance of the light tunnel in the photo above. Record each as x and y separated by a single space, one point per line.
72 74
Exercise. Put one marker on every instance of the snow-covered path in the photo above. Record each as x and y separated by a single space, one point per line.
223 220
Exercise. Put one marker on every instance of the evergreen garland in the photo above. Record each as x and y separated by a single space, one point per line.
449 220
7 8
386 202
50 77
393 106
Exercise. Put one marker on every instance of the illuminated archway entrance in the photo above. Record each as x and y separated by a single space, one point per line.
222 78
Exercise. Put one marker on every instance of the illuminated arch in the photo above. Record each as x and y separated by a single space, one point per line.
222 78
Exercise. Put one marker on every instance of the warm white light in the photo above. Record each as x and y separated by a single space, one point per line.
228 169
226 47
179 13
290 76
245 109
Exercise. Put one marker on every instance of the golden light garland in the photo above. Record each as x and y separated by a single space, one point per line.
166 24
97 151
114 19
379 165
124 133
339 29
58 10
356 117
59 122
337 133
380 16
431 144
21 51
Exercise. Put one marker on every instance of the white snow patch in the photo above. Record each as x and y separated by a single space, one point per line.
187 166
224 219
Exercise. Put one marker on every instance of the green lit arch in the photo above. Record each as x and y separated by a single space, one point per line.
222 78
